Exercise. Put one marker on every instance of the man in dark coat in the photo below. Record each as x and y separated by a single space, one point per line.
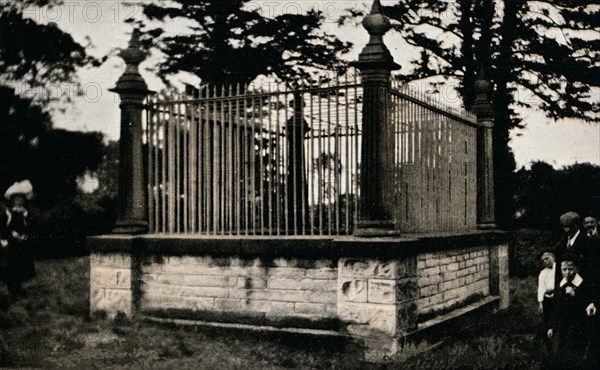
575 242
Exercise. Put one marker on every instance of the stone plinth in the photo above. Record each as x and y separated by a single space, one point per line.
381 291
446 278
274 288
110 284
377 295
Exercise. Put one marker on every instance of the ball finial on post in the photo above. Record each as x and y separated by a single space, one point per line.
376 63
132 89
375 54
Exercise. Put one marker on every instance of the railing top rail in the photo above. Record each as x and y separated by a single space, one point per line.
250 94
448 111
226 93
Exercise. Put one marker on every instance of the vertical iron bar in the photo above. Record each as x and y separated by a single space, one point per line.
215 166
206 161
310 168
186 170
230 159
319 160
269 163
193 168
278 165
171 168
355 152
150 115
261 172
222 142
238 165
336 156
252 173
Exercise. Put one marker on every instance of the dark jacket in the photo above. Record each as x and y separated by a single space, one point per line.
16 261
571 326
580 249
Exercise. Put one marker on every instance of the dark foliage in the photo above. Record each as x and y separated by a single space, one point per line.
24 58
61 157
543 193
543 48
53 160
526 248
21 125
233 43
40 55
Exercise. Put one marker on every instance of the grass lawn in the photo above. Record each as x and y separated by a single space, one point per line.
50 328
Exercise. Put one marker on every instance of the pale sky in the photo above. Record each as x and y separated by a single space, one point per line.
559 143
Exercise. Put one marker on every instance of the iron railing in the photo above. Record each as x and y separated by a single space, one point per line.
435 163
263 160
269 160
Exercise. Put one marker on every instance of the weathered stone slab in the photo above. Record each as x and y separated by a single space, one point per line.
302 284
288 272
352 290
255 305
284 295
251 282
354 268
310 308
381 291
322 273
429 280
382 318
282 308
158 301
228 304
431 271
110 277
117 260
97 299
118 300
186 291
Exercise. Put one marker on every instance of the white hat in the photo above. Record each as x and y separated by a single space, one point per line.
23 188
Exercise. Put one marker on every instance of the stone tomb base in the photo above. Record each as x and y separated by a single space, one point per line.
397 296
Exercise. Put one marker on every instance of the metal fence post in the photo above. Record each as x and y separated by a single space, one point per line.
486 218
132 213
375 63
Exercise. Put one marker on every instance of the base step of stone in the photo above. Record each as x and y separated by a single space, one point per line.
235 326
433 333
457 312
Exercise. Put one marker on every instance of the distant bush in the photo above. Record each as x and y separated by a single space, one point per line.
61 221
542 193
527 247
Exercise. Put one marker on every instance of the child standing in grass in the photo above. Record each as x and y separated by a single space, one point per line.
569 325
545 294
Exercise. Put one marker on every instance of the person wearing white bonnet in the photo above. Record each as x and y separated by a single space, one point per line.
23 188
19 266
